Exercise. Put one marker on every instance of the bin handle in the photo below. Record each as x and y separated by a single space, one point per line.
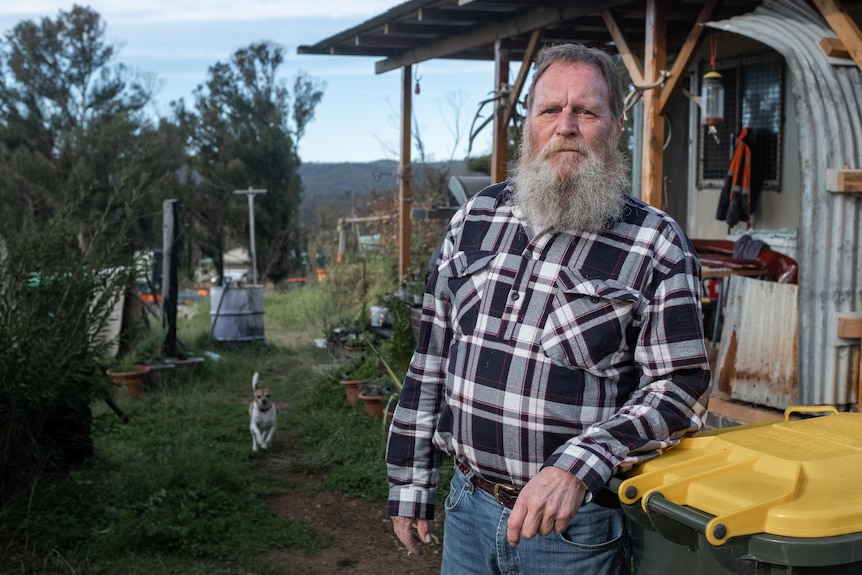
809 409
656 502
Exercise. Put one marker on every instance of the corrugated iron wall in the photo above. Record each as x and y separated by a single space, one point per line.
828 101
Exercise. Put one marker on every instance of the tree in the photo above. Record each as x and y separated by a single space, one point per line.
73 125
244 132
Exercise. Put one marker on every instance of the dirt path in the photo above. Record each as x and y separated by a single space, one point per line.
362 539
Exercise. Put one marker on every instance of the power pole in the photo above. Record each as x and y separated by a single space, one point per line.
251 193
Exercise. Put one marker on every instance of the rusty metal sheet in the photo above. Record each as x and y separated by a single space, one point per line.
757 359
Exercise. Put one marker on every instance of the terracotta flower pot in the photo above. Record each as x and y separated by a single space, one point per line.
133 382
373 404
351 389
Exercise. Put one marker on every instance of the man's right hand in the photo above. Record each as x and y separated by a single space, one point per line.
410 537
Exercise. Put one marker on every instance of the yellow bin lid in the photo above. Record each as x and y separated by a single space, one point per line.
799 478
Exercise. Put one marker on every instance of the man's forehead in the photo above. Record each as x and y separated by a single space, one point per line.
578 78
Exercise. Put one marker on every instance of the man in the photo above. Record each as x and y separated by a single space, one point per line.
561 343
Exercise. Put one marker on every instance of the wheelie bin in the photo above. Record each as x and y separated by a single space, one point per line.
763 499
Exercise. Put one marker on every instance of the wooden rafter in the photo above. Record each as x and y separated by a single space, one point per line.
526 63
843 26
686 55
539 17
632 62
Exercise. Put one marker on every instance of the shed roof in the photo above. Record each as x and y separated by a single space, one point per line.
420 30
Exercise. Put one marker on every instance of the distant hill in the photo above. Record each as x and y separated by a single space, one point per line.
349 184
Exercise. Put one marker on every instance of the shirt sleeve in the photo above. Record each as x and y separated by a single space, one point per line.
413 461
670 399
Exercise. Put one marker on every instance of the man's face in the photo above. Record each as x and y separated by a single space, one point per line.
570 110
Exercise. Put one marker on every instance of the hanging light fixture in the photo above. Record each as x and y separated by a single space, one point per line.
712 92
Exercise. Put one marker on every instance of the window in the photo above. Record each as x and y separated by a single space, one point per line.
753 98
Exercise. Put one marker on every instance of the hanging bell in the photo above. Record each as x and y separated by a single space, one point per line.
416 89
712 99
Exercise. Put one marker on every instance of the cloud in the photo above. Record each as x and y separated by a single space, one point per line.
168 11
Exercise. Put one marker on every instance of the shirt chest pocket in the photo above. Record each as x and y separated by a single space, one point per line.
587 322
464 276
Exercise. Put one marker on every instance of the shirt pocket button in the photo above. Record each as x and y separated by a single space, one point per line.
515 296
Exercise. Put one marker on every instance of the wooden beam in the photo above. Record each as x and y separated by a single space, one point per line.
843 26
850 327
413 29
631 61
653 125
385 41
405 173
499 151
451 15
686 55
539 17
844 181
526 64
834 48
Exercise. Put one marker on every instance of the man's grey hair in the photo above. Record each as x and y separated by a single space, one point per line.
580 54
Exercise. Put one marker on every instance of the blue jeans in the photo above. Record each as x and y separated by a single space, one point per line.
596 542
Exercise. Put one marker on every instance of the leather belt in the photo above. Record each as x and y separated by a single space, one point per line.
506 495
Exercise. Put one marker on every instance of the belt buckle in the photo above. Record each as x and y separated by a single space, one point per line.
500 489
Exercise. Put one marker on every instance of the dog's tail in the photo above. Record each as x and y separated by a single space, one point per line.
254 381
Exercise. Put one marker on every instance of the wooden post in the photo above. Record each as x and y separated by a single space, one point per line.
653 128
499 154
405 176
851 328
170 265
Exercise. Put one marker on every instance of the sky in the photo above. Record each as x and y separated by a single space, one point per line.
358 119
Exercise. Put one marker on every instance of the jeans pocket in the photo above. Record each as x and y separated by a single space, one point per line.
459 488
595 529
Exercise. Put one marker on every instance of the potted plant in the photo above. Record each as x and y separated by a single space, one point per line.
359 370
395 354
130 371
130 375
378 393
354 341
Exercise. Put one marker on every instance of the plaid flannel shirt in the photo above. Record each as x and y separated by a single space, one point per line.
584 352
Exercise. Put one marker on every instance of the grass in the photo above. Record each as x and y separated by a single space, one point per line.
177 488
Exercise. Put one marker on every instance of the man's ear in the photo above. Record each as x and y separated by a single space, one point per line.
619 127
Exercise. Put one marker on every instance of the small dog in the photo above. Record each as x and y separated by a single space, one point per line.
263 414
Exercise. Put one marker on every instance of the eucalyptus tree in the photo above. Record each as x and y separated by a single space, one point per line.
244 131
74 125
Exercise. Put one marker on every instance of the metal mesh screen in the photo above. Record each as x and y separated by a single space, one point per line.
753 98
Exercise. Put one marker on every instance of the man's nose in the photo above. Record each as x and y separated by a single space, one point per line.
567 124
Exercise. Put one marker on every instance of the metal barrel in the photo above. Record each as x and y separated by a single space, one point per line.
237 314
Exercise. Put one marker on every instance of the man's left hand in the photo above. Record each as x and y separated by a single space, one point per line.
548 502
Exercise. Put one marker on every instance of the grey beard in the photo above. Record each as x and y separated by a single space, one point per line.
588 201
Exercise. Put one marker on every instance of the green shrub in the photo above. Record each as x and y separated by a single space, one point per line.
55 302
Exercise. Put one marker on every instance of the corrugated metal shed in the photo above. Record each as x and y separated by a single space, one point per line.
828 101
